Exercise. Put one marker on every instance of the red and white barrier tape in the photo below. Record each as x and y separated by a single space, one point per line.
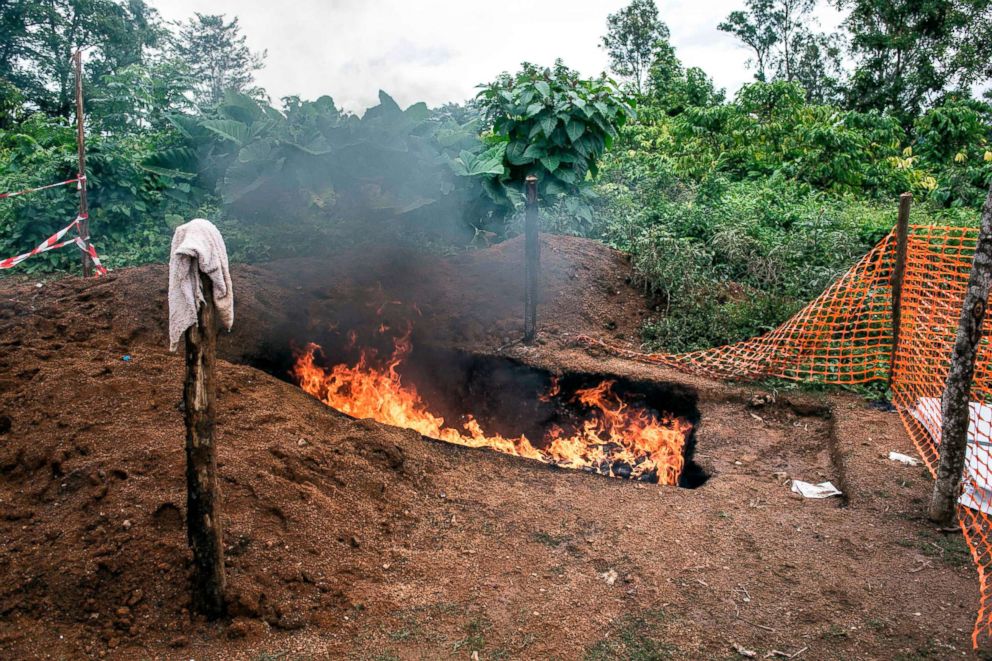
55 241
76 180
90 250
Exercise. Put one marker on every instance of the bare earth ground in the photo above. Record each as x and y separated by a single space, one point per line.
354 540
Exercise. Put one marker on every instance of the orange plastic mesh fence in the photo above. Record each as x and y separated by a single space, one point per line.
845 337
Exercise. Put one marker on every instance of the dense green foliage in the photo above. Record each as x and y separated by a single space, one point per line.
129 205
785 48
218 58
631 38
556 126
909 53
736 211
739 213
181 131
309 169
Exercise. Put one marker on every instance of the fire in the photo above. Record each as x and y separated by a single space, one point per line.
612 438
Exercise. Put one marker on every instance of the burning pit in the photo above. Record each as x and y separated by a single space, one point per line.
596 423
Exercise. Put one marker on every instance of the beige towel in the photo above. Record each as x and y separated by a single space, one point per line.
197 246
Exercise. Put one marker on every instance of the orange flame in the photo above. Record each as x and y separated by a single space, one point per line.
614 438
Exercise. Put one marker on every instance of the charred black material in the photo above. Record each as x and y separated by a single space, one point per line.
510 398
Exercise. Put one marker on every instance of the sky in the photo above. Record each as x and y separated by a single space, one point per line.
440 50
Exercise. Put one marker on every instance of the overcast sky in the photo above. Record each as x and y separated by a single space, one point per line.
439 50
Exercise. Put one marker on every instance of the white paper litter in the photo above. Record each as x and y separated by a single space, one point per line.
977 492
904 459
821 490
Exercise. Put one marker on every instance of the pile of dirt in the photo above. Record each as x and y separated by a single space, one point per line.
350 539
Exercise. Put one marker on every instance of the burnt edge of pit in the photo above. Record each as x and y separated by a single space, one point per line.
669 397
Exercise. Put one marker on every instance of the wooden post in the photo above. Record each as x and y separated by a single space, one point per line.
203 524
532 261
955 403
84 223
898 273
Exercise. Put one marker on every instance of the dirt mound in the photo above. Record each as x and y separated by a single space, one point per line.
349 539
91 461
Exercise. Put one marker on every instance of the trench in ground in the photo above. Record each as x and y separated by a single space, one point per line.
508 397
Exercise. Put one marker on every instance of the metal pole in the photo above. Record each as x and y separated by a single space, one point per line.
898 274
532 261
84 223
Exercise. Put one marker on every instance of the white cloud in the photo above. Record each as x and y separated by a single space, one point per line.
439 50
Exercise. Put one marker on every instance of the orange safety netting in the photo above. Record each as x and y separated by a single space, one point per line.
845 337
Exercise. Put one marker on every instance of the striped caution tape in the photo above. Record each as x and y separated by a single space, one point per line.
51 243
75 180
54 242
90 250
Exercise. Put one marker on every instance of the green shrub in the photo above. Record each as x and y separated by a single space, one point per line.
128 204
724 259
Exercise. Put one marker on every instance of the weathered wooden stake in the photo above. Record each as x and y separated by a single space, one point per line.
203 524
532 261
898 273
955 403
84 223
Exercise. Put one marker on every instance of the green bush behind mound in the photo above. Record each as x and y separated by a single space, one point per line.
735 212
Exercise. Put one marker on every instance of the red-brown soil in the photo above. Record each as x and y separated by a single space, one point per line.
350 539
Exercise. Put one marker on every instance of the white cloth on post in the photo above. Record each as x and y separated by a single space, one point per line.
197 247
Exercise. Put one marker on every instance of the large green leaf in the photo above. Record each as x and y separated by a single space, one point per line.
550 162
548 124
515 153
388 103
575 129
172 162
534 152
418 112
489 162
188 126
317 146
534 108
260 150
568 176
228 129
241 108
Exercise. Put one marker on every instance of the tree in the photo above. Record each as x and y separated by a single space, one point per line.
674 88
785 48
789 17
631 38
141 96
14 25
818 66
218 57
38 37
955 405
555 125
756 29
909 53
